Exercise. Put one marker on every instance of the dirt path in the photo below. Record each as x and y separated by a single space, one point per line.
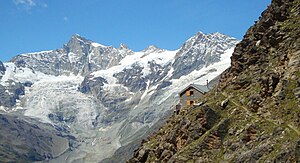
248 112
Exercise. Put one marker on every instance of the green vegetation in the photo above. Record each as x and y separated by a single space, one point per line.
261 121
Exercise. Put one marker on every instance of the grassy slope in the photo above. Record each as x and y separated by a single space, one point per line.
262 118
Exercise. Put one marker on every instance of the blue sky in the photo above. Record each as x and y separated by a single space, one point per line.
37 25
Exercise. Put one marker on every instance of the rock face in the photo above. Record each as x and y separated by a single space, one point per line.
170 140
78 56
2 69
26 140
201 50
10 93
95 83
261 119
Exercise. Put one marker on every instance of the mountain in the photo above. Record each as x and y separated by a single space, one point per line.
10 93
253 113
200 50
25 140
2 69
78 56
108 99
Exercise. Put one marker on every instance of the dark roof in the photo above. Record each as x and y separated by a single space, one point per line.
201 88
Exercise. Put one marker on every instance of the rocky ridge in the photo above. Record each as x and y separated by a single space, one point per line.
207 51
255 113
79 56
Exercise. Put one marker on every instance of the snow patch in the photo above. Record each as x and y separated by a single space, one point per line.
22 74
139 58
35 53
201 76
73 57
97 45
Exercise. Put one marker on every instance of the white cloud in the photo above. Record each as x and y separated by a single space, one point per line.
29 3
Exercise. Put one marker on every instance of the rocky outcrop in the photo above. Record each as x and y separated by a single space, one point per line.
2 69
91 83
260 121
10 93
179 133
26 140
132 78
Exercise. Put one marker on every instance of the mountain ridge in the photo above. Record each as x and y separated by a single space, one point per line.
105 97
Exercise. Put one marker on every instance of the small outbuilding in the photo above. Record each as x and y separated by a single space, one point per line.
192 93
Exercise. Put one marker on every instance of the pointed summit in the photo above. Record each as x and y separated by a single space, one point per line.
202 40
218 35
76 42
123 47
198 37
153 48
76 35
78 38
199 33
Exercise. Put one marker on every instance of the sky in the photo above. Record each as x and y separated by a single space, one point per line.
39 25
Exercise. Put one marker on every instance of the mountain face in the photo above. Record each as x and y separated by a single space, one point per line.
253 113
108 99
2 69
25 140
78 56
10 93
201 50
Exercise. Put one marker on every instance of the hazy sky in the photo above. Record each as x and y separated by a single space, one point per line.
37 25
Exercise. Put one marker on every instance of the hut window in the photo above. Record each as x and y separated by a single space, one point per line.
189 93
189 103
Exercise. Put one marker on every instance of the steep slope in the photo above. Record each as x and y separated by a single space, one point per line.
110 98
26 140
10 92
2 69
253 114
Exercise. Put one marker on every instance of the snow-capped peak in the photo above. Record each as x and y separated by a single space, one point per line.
123 47
201 39
78 38
82 40
220 37
218 34
153 48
